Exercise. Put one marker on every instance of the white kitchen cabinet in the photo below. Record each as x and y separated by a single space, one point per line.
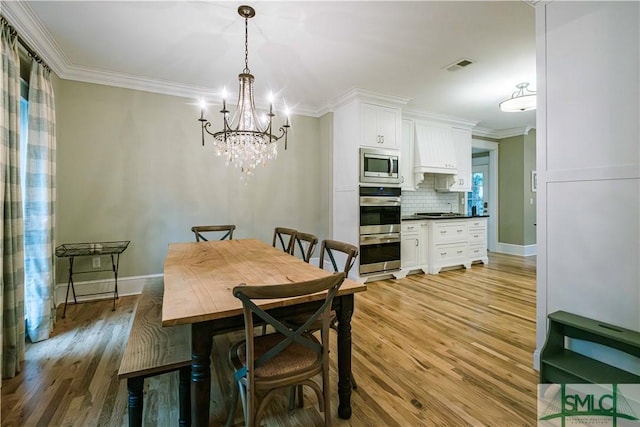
410 246
414 247
461 181
448 244
478 240
406 156
380 126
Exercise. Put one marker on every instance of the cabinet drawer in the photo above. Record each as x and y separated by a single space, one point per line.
478 223
411 227
477 252
445 253
444 232
477 237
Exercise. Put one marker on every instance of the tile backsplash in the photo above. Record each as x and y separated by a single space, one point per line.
427 199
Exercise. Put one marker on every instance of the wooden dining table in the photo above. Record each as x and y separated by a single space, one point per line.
198 282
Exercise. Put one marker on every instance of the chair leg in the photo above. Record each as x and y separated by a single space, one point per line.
234 405
300 397
296 390
353 382
292 398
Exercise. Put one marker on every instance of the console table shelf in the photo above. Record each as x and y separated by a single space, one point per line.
563 366
72 250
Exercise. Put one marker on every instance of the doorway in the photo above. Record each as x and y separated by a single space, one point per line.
485 172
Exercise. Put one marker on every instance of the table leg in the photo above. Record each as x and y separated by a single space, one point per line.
114 267
69 285
136 402
184 396
201 344
344 311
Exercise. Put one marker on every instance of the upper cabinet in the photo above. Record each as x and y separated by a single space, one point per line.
461 181
380 126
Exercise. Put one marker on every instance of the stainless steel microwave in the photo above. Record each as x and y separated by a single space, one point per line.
380 166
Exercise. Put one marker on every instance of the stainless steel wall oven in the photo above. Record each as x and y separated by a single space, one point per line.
379 229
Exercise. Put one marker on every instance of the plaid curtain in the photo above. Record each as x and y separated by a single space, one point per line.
11 229
39 202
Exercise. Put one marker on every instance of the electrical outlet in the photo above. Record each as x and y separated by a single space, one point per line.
96 262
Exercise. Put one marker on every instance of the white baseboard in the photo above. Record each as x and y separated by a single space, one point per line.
104 288
508 248
536 360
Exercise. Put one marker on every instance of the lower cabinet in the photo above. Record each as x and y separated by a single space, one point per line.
478 240
448 244
414 246
430 245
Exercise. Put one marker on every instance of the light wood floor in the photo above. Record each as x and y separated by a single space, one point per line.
452 349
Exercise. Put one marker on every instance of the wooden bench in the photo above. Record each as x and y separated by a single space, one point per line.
559 364
153 350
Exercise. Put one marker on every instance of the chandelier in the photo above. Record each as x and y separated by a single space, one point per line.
521 100
247 140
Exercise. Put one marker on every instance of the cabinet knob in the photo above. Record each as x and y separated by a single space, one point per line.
443 253
417 242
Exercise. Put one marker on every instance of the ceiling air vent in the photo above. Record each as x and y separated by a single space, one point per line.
460 63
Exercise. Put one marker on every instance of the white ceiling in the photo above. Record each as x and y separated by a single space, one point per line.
309 53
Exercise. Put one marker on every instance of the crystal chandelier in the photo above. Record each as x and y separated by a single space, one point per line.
521 100
247 140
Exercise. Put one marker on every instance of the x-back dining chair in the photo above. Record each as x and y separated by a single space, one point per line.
285 237
306 243
289 357
328 248
198 230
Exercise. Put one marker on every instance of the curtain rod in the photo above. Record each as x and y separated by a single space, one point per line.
24 44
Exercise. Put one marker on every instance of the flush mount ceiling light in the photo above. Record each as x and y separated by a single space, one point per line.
521 100
247 140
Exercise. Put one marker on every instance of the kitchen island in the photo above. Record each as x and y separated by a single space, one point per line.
433 241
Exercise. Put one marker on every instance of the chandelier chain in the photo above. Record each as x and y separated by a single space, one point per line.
246 45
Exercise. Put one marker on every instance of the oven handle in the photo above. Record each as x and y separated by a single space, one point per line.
376 239
380 201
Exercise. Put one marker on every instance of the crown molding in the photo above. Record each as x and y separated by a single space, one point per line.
501 134
33 32
367 96
442 118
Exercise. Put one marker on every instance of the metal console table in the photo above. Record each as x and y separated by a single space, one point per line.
72 250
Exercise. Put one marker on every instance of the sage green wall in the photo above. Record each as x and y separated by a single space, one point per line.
517 213
131 167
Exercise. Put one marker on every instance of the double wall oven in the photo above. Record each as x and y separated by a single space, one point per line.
379 229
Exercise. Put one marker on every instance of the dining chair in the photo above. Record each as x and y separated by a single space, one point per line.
199 229
288 357
285 237
307 244
330 248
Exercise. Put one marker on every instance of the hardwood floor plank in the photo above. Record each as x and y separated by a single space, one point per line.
453 349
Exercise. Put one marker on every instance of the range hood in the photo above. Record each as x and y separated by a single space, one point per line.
434 150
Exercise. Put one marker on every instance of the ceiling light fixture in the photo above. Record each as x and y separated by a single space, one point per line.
247 141
521 100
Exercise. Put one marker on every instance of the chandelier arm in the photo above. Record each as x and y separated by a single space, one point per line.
205 128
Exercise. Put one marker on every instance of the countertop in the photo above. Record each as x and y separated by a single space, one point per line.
437 218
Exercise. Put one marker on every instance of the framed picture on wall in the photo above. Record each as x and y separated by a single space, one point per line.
534 181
